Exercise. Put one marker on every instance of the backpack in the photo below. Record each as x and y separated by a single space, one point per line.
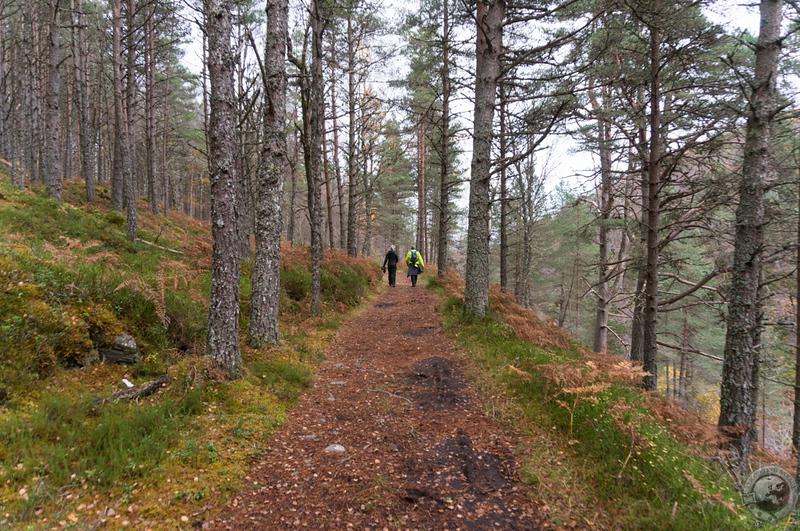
414 258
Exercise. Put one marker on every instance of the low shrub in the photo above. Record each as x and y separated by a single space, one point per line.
296 283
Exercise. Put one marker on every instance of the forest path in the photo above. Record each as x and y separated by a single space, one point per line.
416 449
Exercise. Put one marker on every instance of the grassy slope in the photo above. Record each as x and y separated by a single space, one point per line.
599 452
69 282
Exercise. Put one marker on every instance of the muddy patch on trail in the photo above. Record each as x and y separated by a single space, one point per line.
472 484
437 383
385 304
480 472
441 373
420 331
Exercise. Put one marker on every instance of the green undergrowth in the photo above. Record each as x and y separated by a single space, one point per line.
70 282
597 454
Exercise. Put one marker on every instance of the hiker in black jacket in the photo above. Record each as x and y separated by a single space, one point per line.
391 261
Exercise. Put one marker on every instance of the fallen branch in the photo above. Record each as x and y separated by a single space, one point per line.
691 350
159 246
387 393
154 245
137 392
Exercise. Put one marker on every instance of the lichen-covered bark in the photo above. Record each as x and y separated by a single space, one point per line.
314 173
269 186
223 314
740 371
488 48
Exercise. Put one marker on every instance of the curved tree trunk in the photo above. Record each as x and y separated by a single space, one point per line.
269 186
740 370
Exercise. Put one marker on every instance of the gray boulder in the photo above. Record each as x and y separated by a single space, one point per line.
124 350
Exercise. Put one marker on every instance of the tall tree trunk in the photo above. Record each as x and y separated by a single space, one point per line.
649 339
53 153
131 181
503 195
120 130
423 162
366 247
606 202
796 413
313 119
444 179
167 191
67 132
488 49
223 314
352 152
740 370
637 324
337 167
528 188
294 162
678 387
151 138
80 51
326 170
264 308
244 156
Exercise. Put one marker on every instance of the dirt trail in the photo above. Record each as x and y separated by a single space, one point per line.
419 453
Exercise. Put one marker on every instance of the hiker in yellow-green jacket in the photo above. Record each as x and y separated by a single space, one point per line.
415 265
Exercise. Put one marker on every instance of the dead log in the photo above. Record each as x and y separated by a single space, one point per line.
139 391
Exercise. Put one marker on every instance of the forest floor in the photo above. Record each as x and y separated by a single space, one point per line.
391 436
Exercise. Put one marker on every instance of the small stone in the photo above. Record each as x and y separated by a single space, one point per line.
335 449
